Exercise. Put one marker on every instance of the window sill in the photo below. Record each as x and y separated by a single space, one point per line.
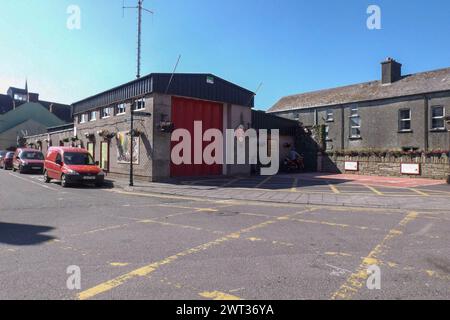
439 130
329 121
121 114
106 117
405 131
355 138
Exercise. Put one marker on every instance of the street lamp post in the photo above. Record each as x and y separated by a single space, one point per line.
131 143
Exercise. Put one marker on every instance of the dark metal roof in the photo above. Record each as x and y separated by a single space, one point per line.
263 120
419 83
200 86
64 127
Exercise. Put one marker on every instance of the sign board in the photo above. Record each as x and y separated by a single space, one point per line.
410 168
351 166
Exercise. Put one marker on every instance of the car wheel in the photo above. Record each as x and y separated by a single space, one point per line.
20 169
63 181
46 177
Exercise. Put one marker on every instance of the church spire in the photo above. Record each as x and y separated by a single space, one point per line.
26 90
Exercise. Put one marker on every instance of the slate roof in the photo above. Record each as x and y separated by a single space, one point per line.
418 83
63 111
28 111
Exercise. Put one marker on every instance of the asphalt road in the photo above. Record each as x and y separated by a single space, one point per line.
131 246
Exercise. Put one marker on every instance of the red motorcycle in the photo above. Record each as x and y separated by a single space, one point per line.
294 165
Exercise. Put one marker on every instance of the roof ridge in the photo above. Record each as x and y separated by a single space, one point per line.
412 84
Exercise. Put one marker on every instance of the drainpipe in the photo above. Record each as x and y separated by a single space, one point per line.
426 123
342 128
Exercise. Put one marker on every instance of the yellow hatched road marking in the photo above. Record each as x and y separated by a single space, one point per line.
217 295
229 183
419 192
263 182
147 270
374 190
357 279
334 188
294 185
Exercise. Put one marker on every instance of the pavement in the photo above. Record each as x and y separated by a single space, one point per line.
310 189
143 244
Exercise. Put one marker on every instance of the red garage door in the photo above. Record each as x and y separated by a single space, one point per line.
184 113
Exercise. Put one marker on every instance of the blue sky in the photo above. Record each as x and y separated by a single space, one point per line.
291 46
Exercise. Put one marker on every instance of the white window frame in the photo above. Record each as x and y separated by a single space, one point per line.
119 113
94 117
438 118
83 118
354 113
400 120
137 103
329 115
109 114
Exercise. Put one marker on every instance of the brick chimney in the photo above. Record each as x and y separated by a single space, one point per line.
391 71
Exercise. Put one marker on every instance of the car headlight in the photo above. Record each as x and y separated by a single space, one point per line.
70 171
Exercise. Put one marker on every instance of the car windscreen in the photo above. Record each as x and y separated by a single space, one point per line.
78 159
31 155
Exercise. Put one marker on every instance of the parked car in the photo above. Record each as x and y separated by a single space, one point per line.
2 154
28 160
72 166
7 161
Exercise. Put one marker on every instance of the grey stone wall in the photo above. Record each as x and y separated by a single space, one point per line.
432 167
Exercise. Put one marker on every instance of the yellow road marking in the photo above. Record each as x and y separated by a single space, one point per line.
333 224
263 182
147 270
178 225
341 254
419 192
229 183
119 264
357 279
374 190
217 295
334 188
294 185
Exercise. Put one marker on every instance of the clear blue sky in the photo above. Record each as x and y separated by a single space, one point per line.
291 46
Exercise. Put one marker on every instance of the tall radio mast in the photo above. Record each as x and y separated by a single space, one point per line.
139 8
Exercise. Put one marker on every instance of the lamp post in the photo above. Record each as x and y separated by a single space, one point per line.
131 142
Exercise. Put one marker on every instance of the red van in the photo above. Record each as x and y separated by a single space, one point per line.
28 160
71 166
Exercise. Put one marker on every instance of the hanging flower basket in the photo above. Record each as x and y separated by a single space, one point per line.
135 133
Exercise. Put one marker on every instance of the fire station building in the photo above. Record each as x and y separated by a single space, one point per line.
161 103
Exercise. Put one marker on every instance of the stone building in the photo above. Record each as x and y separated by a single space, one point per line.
397 112
395 126
160 103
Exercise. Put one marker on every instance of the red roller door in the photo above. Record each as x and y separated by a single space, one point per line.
184 113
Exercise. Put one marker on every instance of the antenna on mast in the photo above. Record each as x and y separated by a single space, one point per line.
139 8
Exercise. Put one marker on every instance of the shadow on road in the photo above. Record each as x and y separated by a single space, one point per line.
276 182
23 234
